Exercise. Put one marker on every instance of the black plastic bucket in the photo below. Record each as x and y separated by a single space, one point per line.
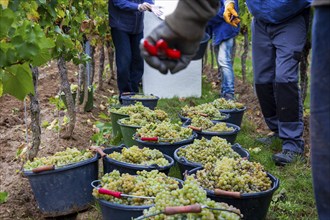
225 119
64 190
128 132
236 115
254 206
110 164
150 103
186 165
114 116
202 47
115 211
164 147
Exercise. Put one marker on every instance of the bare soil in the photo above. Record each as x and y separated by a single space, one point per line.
21 203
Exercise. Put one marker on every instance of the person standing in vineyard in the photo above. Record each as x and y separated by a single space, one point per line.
126 22
279 32
223 36
320 107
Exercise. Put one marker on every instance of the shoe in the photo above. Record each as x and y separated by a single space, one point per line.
285 157
268 140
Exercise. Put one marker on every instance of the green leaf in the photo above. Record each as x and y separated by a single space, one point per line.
1 88
3 197
7 18
43 57
17 81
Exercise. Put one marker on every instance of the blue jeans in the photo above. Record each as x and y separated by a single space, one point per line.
223 54
320 110
128 60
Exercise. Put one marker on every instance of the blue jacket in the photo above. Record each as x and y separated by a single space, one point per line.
276 11
125 16
221 30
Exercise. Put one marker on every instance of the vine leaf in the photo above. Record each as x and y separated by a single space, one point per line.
17 81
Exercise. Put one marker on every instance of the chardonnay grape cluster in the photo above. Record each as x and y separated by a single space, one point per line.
144 156
222 103
143 96
208 109
143 184
145 117
191 193
207 151
171 132
238 175
62 158
131 109
207 125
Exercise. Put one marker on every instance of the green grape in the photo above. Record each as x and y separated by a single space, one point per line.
62 158
238 175
207 151
143 184
143 97
131 109
207 108
190 193
222 103
145 117
144 156
166 130
207 125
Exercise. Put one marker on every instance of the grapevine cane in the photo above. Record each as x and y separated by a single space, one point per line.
116 193
195 208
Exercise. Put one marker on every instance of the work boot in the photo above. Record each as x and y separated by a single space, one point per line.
228 96
286 157
268 140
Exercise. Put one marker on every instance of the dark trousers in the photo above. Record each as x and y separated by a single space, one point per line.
128 60
276 52
320 110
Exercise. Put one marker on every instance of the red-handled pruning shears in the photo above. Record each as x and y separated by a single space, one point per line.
162 50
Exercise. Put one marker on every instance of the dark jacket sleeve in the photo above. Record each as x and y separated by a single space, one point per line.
191 16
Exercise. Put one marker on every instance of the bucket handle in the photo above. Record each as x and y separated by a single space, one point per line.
43 168
220 192
195 128
98 150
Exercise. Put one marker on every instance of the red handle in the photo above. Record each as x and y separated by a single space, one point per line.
220 192
152 50
196 208
173 54
43 168
110 192
149 138
194 128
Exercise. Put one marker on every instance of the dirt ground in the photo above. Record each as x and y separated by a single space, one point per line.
21 203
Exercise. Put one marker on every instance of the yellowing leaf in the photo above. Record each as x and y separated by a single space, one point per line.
4 3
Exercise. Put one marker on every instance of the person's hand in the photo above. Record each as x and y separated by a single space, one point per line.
145 6
187 49
230 15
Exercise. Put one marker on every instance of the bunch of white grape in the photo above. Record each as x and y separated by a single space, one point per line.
143 118
207 125
222 103
238 175
62 158
207 151
143 184
144 156
131 109
191 193
204 109
171 132
143 96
